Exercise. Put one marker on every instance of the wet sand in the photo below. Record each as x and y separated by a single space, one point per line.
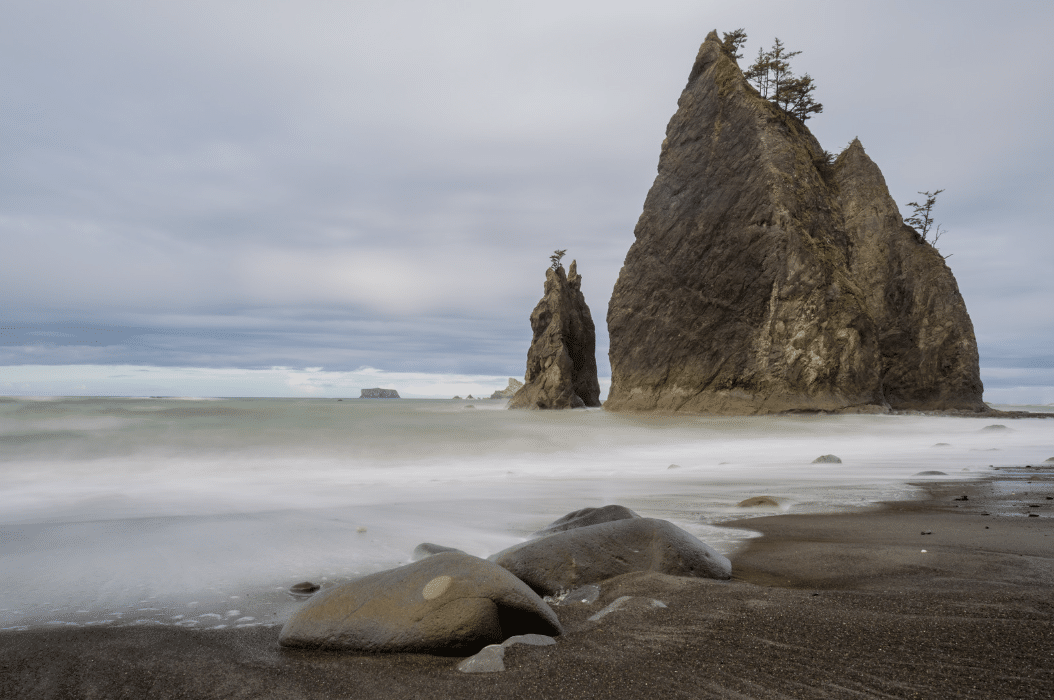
821 606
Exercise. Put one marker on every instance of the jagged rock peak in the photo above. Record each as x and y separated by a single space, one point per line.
561 362
764 280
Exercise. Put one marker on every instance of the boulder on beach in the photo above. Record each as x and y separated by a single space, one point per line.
586 517
756 501
827 459
446 604
427 549
572 558
378 394
561 362
765 277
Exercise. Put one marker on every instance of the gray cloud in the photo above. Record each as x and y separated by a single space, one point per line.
259 184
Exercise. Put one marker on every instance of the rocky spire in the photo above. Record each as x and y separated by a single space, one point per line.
745 290
561 362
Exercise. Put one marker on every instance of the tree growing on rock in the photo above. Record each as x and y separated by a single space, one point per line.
733 41
922 217
771 74
555 258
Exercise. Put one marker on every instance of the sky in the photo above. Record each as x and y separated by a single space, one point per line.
262 198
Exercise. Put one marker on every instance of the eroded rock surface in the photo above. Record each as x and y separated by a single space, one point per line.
765 279
572 558
561 363
447 603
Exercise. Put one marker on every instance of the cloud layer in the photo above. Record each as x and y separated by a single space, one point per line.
259 184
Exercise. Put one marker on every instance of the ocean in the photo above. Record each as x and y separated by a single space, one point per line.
201 513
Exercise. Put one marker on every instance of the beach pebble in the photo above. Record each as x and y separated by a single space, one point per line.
758 501
827 459
447 603
995 427
566 560
489 659
931 472
674 466
586 517
427 549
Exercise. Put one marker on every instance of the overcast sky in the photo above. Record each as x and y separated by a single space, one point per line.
321 187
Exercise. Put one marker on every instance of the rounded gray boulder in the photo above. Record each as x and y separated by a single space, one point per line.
448 603
566 560
586 517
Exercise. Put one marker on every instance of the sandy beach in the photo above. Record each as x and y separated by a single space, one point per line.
821 606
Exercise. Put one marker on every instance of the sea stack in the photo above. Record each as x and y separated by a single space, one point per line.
561 363
378 394
765 279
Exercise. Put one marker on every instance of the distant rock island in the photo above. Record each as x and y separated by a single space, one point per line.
766 278
561 362
379 394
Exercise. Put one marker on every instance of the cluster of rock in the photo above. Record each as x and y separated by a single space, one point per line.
379 394
451 603
561 362
765 278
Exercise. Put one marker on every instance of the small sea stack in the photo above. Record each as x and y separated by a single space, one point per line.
561 363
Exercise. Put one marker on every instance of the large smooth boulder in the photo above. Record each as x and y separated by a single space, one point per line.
448 603
572 558
586 517
561 362
765 278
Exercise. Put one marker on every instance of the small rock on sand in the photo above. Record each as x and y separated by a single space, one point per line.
931 472
827 459
758 501
304 587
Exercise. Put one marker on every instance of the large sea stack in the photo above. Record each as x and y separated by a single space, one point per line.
561 363
764 279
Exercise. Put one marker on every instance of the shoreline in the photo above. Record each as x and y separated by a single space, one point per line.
820 606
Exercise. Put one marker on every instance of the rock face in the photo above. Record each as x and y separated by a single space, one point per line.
561 363
447 603
572 558
509 391
764 279
379 394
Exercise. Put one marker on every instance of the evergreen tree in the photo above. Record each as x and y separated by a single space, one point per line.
771 74
758 73
733 42
922 219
